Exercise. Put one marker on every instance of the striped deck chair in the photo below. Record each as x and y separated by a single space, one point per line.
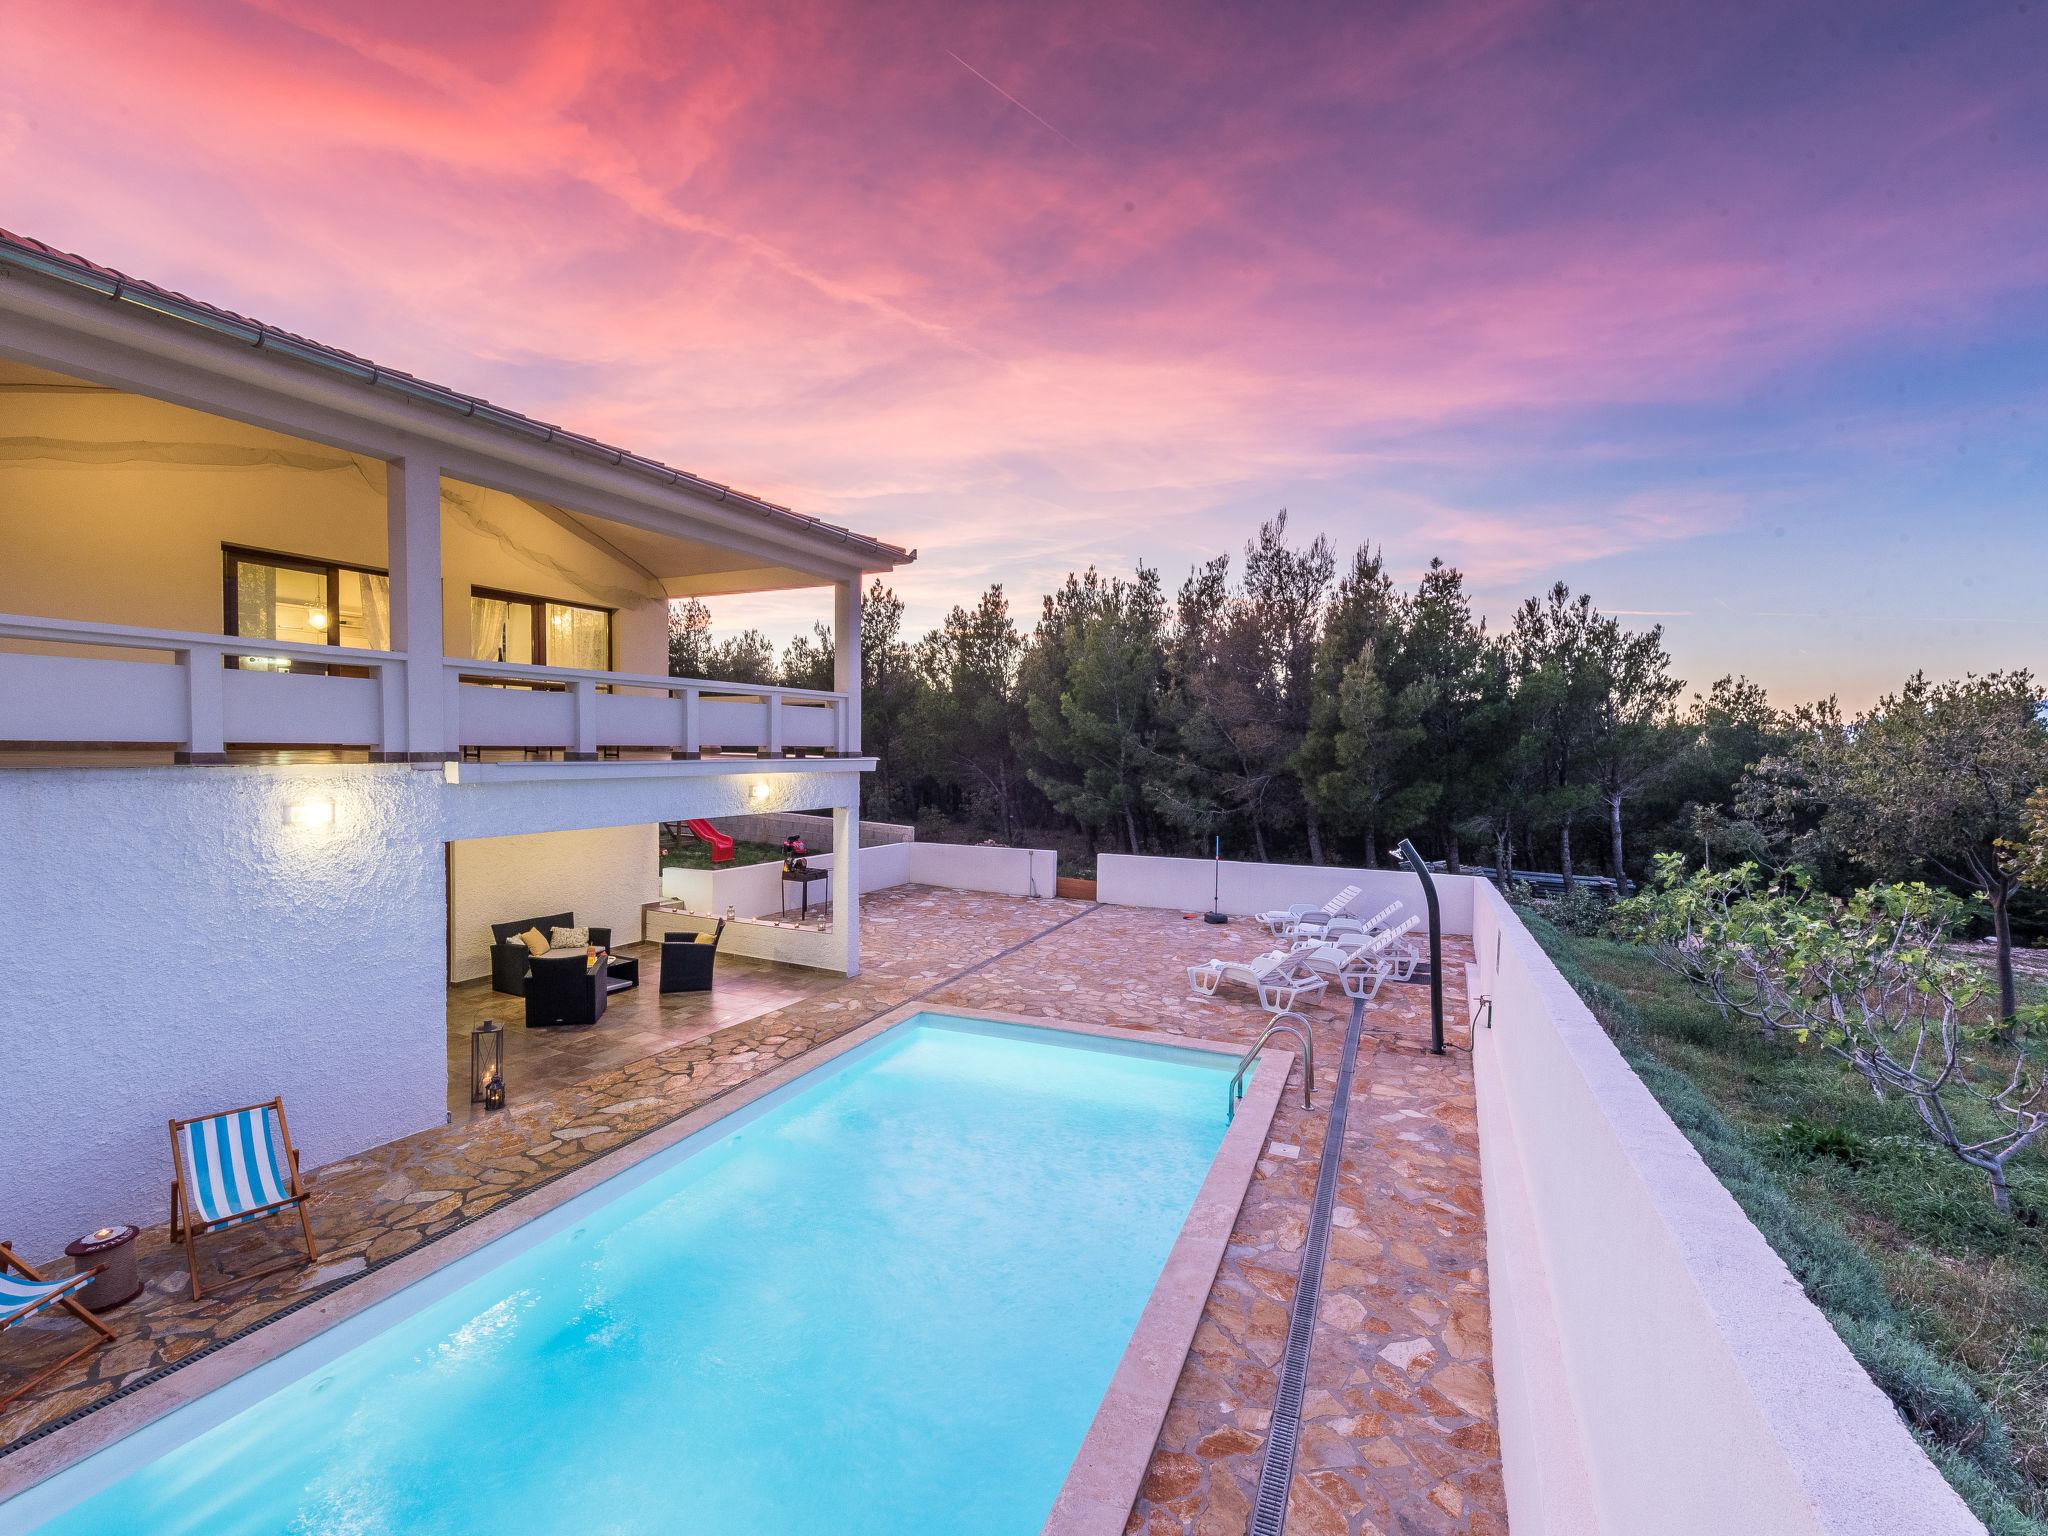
24 1293
229 1172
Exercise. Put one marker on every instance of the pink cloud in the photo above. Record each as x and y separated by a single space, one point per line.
1256 262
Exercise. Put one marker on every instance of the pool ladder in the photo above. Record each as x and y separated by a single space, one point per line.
1289 1022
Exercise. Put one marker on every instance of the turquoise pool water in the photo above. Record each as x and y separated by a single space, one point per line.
886 1299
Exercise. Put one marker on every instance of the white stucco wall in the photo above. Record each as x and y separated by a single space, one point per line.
605 875
174 947
1658 1367
1132 880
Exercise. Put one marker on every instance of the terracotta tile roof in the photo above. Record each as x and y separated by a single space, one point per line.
21 253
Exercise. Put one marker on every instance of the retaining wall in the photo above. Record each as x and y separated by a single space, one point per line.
1658 1367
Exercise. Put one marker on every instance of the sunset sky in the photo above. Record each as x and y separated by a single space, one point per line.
1735 315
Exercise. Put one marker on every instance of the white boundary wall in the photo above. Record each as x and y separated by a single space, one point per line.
970 867
1658 1367
1139 880
816 831
755 890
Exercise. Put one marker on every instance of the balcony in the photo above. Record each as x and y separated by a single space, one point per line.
201 707
502 705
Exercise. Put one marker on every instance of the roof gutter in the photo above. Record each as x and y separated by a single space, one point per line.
251 333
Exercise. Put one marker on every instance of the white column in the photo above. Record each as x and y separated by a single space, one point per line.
413 506
846 657
846 885
846 819
205 707
584 692
693 713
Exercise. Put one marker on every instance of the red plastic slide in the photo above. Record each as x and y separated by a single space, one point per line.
721 845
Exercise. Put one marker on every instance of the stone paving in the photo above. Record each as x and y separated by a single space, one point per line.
1399 1432
640 1022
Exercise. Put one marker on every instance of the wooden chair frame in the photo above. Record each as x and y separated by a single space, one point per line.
9 1259
188 1232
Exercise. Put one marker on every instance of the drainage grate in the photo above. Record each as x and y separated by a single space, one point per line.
1276 1472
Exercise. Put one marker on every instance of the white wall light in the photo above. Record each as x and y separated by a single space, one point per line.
311 814
761 790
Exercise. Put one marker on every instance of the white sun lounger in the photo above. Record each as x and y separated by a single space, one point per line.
1282 978
1364 964
1283 922
1321 925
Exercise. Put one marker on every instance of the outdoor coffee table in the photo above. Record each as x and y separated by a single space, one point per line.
624 972
113 1249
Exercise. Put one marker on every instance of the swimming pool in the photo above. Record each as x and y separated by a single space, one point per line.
886 1297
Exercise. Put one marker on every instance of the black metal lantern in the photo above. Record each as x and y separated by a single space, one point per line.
487 1065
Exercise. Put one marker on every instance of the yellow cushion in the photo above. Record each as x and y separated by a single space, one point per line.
535 940
705 938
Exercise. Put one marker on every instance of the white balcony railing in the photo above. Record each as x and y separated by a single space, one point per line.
200 706
506 704
197 705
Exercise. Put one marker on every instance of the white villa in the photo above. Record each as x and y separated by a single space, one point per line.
309 672
312 672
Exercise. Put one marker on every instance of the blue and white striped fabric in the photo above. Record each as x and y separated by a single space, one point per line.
232 1172
22 1297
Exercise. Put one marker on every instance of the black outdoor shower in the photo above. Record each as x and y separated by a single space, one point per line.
1436 947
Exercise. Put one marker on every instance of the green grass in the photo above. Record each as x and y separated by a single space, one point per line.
1942 1298
691 854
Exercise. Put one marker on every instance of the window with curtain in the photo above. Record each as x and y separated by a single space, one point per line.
363 610
500 629
579 637
511 626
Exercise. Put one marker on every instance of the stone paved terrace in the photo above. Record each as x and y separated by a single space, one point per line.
1398 1436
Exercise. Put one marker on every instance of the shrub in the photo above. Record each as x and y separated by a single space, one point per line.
1812 1139
1581 910
1869 980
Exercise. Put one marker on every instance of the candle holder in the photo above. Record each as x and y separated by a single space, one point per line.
487 1065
